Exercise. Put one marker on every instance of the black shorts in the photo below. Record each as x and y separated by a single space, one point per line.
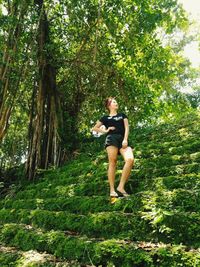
114 140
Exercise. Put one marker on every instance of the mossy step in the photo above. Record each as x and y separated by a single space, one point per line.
155 147
63 179
175 226
81 189
94 184
76 204
139 181
10 256
178 200
148 149
169 160
166 131
159 141
100 177
101 187
184 134
186 181
189 181
173 148
147 177
150 173
156 224
101 224
83 171
182 199
76 167
142 150
164 144
159 138
112 252
98 185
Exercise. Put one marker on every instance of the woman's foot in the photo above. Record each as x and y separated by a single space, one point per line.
122 192
113 194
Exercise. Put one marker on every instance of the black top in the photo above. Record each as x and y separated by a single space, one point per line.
117 121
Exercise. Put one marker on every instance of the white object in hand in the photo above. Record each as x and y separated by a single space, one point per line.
98 134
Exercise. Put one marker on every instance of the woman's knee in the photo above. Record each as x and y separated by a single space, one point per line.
129 161
112 161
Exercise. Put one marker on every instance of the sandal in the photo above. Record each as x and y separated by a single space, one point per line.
125 194
113 194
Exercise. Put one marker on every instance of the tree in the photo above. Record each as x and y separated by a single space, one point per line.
44 139
80 53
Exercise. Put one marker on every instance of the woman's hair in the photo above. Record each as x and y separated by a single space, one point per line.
108 102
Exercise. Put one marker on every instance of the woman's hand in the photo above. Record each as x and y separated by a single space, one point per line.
124 143
111 128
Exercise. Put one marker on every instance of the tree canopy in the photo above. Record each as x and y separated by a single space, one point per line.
60 59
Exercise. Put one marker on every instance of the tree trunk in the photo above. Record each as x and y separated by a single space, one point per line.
45 120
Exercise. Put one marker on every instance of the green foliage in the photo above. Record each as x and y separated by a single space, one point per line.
97 48
14 146
194 98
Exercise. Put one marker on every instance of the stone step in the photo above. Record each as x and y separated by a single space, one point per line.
95 184
10 256
168 160
165 131
98 252
76 204
189 181
155 224
116 224
173 149
183 195
151 173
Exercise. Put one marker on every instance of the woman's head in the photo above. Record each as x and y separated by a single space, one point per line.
111 103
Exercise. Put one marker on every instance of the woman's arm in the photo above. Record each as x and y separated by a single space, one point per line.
97 128
126 126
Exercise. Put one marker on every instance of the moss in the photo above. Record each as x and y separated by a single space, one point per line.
120 254
67 212
116 252
149 150
105 224
8 259
167 225
166 171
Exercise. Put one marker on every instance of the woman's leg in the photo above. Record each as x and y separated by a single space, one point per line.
127 154
112 159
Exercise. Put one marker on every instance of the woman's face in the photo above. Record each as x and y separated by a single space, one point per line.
113 104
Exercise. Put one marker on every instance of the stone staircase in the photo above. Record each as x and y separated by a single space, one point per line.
66 219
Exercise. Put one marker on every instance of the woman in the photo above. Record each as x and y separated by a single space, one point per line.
117 131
